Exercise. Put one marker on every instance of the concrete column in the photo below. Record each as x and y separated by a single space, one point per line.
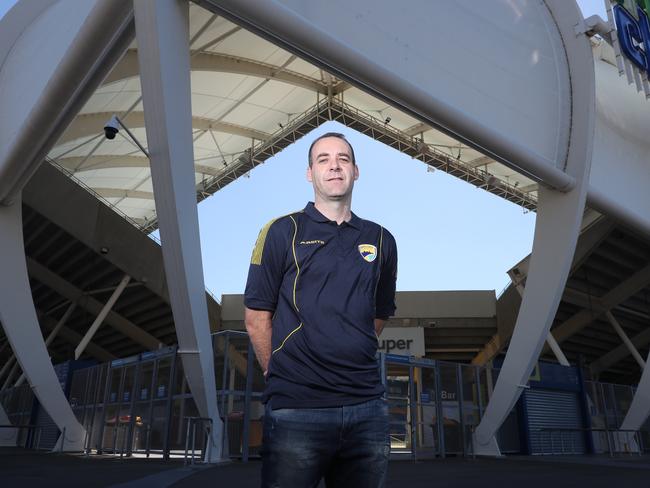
162 32
20 323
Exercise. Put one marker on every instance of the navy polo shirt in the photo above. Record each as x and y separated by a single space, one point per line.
325 283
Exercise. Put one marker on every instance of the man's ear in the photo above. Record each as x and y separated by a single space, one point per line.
309 175
356 172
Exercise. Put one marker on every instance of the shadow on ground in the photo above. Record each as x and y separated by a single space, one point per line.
27 469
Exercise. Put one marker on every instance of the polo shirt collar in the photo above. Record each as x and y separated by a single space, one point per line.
313 213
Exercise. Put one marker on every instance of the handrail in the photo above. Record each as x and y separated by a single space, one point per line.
608 433
192 422
30 427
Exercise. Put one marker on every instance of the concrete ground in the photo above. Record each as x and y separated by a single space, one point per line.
26 469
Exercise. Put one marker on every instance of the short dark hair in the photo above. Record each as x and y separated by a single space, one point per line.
338 135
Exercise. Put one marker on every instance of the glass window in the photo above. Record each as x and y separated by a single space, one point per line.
127 389
144 382
115 376
162 380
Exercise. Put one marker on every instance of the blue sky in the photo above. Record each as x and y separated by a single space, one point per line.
450 235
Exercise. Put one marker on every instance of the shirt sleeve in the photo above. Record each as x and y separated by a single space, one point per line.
266 268
385 297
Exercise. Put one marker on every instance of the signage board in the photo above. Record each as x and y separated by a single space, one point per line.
630 19
405 341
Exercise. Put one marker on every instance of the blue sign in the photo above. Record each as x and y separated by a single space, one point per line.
634 35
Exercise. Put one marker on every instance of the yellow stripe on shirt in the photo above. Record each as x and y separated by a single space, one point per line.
295 259
259 244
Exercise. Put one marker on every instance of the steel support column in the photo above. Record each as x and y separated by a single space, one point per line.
550 340
162 32
557 350
101 316
640 407
52 335
66 289
557 227
60 324
626 340
20 323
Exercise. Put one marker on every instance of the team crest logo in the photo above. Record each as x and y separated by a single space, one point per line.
368 252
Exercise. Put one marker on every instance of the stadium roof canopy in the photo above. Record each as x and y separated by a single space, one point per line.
250 99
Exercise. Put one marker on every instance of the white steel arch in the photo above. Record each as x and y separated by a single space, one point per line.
556 97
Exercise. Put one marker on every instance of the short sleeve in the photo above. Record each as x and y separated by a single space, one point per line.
266 268
385 297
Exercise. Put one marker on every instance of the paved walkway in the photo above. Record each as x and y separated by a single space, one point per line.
26 469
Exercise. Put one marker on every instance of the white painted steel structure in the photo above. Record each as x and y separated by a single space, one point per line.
163 37
539 107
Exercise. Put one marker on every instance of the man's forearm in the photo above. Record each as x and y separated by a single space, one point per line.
379 326
261 340
259 327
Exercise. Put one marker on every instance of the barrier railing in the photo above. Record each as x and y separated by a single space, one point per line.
33 437
561 437
192 422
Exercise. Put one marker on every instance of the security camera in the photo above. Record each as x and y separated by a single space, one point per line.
111 128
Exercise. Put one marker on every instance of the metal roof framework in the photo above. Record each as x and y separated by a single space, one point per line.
250 100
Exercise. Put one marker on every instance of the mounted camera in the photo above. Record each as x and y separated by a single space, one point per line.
111 128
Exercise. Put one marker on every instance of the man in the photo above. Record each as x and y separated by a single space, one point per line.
320 288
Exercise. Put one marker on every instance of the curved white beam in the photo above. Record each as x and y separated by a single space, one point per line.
400 69
163 39
220 63
78 164
45 84
559 217
21 326
91 124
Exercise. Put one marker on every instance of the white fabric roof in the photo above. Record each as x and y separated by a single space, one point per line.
245 91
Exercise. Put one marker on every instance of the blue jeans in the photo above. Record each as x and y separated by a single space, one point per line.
348 446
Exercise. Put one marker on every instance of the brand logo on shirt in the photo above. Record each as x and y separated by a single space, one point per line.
368 252
315 241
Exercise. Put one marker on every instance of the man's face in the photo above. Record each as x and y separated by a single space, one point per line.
332 172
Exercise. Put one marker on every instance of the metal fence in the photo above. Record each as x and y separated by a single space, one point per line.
142 406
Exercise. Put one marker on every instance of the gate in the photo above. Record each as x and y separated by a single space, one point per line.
433 405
